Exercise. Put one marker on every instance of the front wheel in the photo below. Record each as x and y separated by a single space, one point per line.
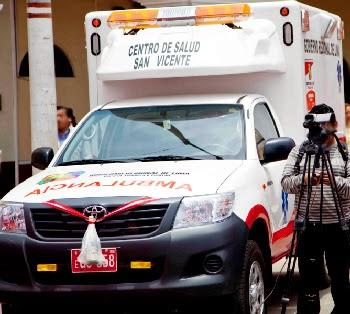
250 293
13 309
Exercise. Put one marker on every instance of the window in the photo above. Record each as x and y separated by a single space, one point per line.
265 127
63 67
188 131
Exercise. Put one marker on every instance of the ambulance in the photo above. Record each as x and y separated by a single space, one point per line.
194 111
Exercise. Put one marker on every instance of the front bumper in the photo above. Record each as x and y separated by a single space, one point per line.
177 258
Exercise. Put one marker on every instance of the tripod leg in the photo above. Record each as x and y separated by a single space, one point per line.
321 201
290 271
299 226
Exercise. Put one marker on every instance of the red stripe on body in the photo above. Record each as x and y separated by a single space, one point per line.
256 212
39 15
280 240
284 232
259 212
275 259
39 5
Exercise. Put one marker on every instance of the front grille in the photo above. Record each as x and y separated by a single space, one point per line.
51 223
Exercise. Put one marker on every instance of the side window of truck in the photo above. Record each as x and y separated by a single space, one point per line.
265 127
87 143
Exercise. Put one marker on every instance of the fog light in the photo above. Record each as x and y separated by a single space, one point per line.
213 264
140 265
46 267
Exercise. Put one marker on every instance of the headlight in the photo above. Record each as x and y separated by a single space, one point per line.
203 210
12 217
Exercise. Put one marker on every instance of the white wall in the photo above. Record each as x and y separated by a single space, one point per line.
7 131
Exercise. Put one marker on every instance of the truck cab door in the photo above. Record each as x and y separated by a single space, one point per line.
281 204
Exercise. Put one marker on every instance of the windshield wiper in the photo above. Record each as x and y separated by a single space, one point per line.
166 158
94 161
186 141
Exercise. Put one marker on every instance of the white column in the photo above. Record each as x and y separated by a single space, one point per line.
14 84
41 74
0 150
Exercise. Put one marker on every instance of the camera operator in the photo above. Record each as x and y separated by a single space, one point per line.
322 233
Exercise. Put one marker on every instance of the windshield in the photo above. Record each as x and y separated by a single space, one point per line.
159 133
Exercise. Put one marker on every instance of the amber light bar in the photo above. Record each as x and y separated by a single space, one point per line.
179 16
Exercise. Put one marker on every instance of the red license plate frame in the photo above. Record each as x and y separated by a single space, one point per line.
111 255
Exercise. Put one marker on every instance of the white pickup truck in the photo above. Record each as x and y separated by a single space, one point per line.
193 114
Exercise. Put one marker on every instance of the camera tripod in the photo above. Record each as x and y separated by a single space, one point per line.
310 148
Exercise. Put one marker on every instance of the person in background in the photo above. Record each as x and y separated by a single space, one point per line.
65 123
346 73
347 121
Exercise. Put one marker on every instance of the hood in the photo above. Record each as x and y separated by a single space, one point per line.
153 179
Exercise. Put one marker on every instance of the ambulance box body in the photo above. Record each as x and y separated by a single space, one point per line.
295 61
194 111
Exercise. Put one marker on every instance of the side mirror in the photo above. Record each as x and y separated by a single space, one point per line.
276 149
41 157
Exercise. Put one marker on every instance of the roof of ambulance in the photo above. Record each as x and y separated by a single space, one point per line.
178 100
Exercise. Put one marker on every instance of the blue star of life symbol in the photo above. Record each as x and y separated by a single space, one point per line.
284 206
339 74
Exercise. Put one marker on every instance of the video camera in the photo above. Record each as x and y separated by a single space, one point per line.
317 133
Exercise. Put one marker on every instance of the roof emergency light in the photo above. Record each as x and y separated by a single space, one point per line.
179 16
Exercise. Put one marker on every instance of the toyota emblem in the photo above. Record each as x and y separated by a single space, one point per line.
96 211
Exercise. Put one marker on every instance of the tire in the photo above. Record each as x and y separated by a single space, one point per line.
28 308
12 309
250 291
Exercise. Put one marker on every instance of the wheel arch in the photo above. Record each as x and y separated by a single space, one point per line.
259 232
